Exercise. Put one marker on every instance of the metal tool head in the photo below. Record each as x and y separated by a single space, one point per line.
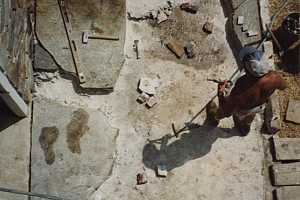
85 37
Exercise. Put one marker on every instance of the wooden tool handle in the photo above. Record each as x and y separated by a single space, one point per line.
103 37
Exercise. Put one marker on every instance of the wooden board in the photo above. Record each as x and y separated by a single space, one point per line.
286 174
288 193
287 148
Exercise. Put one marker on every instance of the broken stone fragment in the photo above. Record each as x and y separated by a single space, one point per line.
240 20
161 17
244 28
189 50
252 33
143 98
176 48
148 85
208 27
190 8
152 102
162 171
141 179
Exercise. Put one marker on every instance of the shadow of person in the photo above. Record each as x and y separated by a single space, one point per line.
193 144
7 118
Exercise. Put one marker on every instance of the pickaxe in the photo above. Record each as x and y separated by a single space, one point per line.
87 35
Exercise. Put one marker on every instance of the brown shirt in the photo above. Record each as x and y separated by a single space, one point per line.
250 92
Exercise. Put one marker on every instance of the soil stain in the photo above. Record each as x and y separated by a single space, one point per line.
47 139
77 127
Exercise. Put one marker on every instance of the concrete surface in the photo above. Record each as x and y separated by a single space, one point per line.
72 150
15 153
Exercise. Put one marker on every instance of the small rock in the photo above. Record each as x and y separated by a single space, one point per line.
176 48
148 86
161 17
152 102
244 28
208 27
143 98
189 50
240 20
190 8
252 33
162 171
141 179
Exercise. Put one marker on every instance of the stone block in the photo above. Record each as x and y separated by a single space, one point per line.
240 20
287 148
162 171
288 193
286 174
293 111
152 102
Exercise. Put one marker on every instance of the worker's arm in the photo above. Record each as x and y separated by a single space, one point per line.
225 103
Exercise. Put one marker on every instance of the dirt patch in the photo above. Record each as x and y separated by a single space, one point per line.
293 80
77 127
183 27
289 129
47 139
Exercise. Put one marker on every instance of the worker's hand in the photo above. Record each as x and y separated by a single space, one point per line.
222 87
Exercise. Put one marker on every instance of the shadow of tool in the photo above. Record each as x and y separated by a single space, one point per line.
7 118
193 144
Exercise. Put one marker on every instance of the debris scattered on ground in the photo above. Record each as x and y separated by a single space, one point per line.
141 179
136 48
189 7
40 77
144 97
293 111
152 101
148 88
189 49
176 48
240 20
162 171
208 27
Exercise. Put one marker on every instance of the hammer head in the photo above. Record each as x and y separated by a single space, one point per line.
85 37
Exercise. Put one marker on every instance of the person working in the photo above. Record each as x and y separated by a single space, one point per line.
250 93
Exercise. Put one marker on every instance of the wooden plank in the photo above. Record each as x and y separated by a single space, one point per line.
286 174
288 193
287 148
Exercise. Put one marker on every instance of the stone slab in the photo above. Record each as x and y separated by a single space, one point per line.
288 193
15 153
101 60
286 174
293 111
51 33
250 11
72 150
287 148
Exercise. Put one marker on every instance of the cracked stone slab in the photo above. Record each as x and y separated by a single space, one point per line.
72 150
52 35
100 61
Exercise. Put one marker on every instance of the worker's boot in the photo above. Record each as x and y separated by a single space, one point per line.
211 113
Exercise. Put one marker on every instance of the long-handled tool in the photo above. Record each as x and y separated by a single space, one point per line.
86 36
30 194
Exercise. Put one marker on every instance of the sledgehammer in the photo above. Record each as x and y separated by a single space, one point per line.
86 36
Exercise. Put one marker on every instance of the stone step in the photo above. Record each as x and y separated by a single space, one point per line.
288 193
287 148
286 174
